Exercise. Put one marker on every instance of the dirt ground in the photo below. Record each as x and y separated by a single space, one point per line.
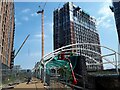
33 85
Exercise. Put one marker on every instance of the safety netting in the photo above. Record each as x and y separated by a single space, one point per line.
64 66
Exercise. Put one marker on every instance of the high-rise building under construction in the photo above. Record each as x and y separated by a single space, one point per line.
73 25
116 10
7 27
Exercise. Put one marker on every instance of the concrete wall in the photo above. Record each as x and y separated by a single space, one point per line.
104 82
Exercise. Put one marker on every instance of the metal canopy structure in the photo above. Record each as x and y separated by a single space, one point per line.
51 60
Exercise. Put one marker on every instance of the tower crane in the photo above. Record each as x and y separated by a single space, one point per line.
42 20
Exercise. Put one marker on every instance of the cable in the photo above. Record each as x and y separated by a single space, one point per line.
44 5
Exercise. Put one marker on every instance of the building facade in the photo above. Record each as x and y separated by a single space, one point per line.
116 10
7 28
74 25
16 67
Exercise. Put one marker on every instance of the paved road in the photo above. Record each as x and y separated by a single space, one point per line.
33 85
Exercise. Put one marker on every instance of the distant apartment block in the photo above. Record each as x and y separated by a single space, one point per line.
7 27
73 25
16 68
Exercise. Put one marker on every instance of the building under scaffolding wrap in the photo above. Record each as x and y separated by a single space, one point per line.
73 25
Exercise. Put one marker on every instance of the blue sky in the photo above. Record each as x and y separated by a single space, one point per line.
28 22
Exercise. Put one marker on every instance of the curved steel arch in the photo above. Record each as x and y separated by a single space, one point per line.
81 49
84 55
57 51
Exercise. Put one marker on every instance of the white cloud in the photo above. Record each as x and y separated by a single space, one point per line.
35 54
50 25
39 36
105 10
25 18
34 14
17 22
26 10
105 15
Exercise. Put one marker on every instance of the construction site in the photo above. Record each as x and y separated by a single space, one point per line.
63 70
76 63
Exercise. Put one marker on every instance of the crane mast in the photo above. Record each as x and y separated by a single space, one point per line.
14 55
42 33
21 46
42 27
